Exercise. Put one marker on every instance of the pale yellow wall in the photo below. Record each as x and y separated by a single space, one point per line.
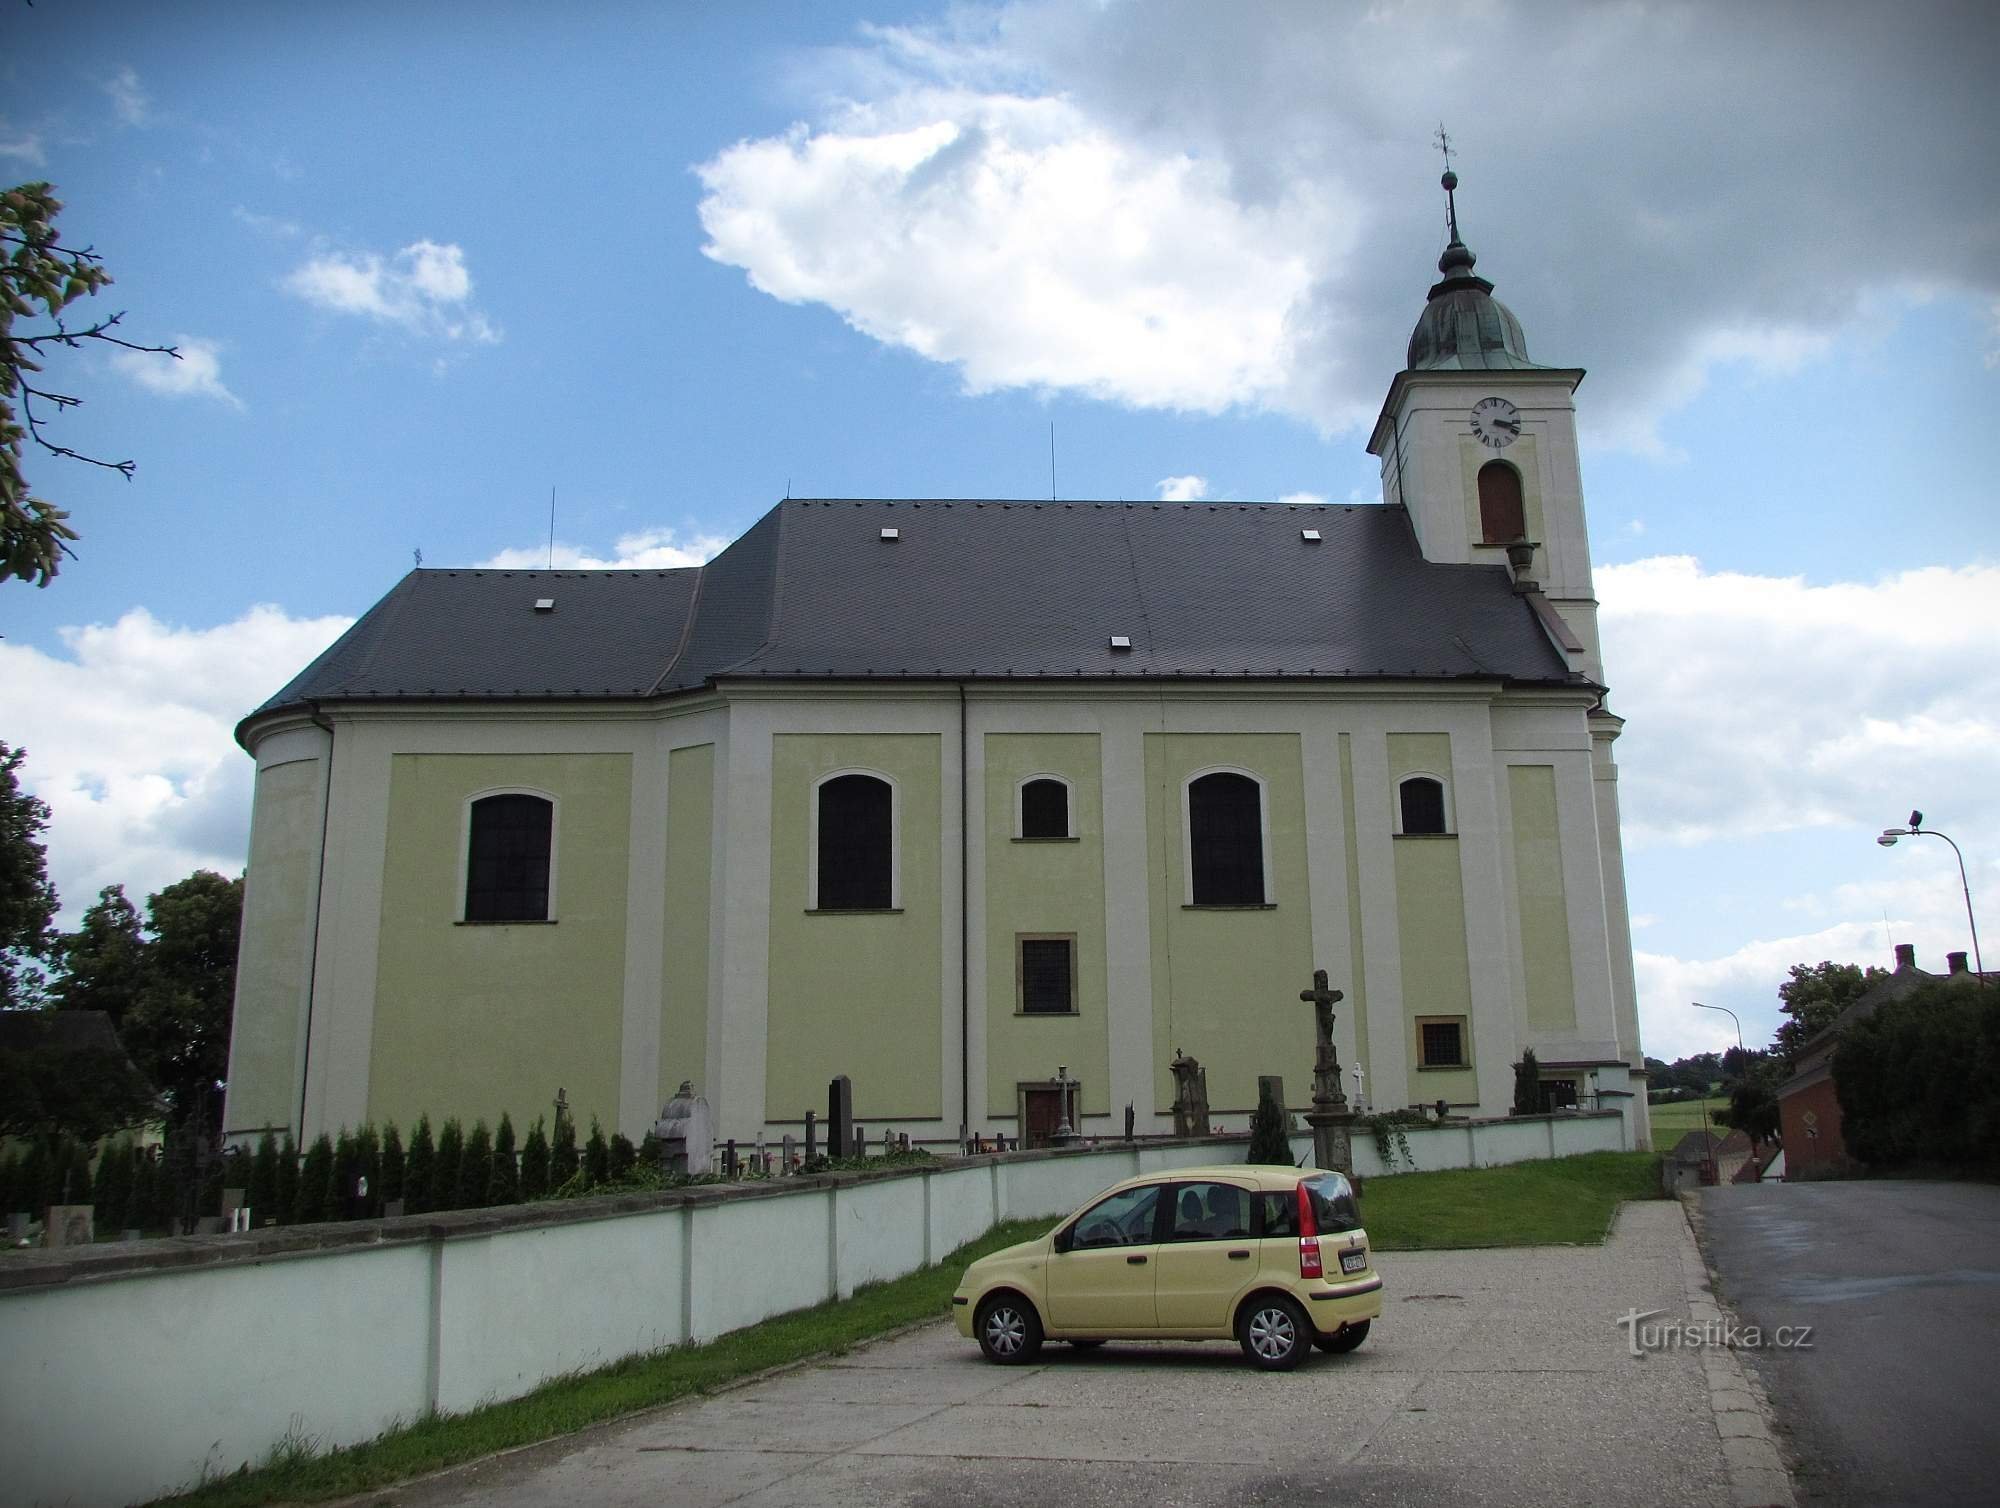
684 965
271 970
1045 887
1540 898
1430 924
474 1020
859 994
1226 982
1356 1005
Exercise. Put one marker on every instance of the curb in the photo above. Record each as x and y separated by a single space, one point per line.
1757 1474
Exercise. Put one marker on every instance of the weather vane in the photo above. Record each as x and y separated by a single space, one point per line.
1443 145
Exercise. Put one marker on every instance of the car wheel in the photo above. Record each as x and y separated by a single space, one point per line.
1343 1341
1008 1329
1274 1332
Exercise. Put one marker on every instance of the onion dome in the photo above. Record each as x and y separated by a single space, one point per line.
1464 327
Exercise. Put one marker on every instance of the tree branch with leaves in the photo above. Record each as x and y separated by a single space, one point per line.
39 279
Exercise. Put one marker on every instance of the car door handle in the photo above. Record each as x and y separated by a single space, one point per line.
1239 1256
1135 1261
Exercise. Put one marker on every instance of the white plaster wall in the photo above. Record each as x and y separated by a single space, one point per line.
878 1231
750 1259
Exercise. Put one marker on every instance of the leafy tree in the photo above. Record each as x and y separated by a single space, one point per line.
1268 1143
535 1163
142 1208
315 1184
623 1156
1812 996
562 1152
87 1091
597 1156
1919 1080
506 1185
1527 1084
445 1167
420 1169
475 1170
40 278
392 1164
104 960
178 1030
1753 1100
111 1189
263 1191
27 899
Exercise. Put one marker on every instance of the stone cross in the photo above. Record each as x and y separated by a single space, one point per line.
1331 1119
1322 1000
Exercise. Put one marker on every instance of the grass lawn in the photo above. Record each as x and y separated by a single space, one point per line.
1568 1202
1529 1204
1672 1122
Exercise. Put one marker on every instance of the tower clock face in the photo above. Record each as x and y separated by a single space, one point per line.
1496 422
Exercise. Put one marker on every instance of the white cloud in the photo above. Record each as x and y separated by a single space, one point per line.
424 289
198 372
23 146
1005 191
1182 489
645 550
1304 499
274 226
1764 704
128 97
129 739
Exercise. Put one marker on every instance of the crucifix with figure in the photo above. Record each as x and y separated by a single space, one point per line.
1329 1116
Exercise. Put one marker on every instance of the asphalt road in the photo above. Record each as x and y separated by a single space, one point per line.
1894 1401
1493 1378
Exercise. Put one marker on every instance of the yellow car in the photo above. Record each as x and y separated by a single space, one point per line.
1274 1256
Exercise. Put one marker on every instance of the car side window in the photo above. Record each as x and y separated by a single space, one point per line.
1123 1219
1281 1212
1209 1212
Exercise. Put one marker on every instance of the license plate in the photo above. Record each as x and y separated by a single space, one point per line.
1354 1261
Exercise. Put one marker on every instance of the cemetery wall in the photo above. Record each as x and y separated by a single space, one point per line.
136 1368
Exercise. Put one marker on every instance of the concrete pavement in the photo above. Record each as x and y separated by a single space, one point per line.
1493 1377
1892 1403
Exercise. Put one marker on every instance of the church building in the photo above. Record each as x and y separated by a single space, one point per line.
966 799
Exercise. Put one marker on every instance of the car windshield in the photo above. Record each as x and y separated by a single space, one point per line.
1333 1202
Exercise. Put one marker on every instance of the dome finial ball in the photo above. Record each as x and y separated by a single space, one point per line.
1450 180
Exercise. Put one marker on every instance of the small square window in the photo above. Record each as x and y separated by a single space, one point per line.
1047 974
1442 1040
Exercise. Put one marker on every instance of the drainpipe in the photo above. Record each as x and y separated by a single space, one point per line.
319 909
964 933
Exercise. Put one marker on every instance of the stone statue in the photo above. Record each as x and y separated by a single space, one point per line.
1190 1095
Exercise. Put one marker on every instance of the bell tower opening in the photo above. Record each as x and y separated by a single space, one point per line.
1502 516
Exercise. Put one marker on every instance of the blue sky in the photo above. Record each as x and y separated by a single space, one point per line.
426 263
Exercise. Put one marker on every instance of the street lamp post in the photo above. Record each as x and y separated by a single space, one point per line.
1732 1016
1916 829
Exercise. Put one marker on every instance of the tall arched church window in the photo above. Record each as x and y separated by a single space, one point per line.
1502 519
856 844
1226 840
1423 805
1044 809
507 859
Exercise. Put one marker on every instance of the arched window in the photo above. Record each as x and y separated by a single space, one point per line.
507 858
1044 808
1502 519
1225 840
1422 802
855 864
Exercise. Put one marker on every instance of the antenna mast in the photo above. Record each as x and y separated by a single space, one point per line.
552 527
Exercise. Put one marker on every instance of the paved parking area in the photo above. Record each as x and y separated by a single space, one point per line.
1495 1377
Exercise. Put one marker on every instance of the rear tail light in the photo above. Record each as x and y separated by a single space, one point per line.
1310 1265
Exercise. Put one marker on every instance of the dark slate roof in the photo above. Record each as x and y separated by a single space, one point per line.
970 590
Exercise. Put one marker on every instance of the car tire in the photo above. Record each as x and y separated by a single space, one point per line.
1009 1330
1343 1341
1273 1332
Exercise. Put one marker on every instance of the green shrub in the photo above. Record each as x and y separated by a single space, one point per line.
315 1183
506 1185
392 1164
624 1156
563 1160
1917 1079
368 1167
285 1207
475 1173
346 1174
447 1165
418 1170
263 1191
596 1156
1268 1143
535 1163
1527 1084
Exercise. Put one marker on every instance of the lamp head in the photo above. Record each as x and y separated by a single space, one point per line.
1888 839
1916 820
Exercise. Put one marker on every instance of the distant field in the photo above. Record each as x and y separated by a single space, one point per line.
1672 1122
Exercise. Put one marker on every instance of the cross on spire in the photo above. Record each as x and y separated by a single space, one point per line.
1443 145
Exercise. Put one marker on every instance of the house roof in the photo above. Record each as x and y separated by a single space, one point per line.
969 589
66 1031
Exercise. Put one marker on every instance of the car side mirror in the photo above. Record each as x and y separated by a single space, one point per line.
1065 1239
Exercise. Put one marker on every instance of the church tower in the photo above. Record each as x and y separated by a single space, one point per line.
1479 444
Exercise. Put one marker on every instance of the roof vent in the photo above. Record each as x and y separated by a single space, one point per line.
545 604
1121 641
892 533
1310 536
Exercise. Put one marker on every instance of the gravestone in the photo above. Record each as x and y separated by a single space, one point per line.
1271 1086
1130 1118
791 1152
1190 1095
812 1135
70 1225
686 1132
232 1201
839 1117
1330 1118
